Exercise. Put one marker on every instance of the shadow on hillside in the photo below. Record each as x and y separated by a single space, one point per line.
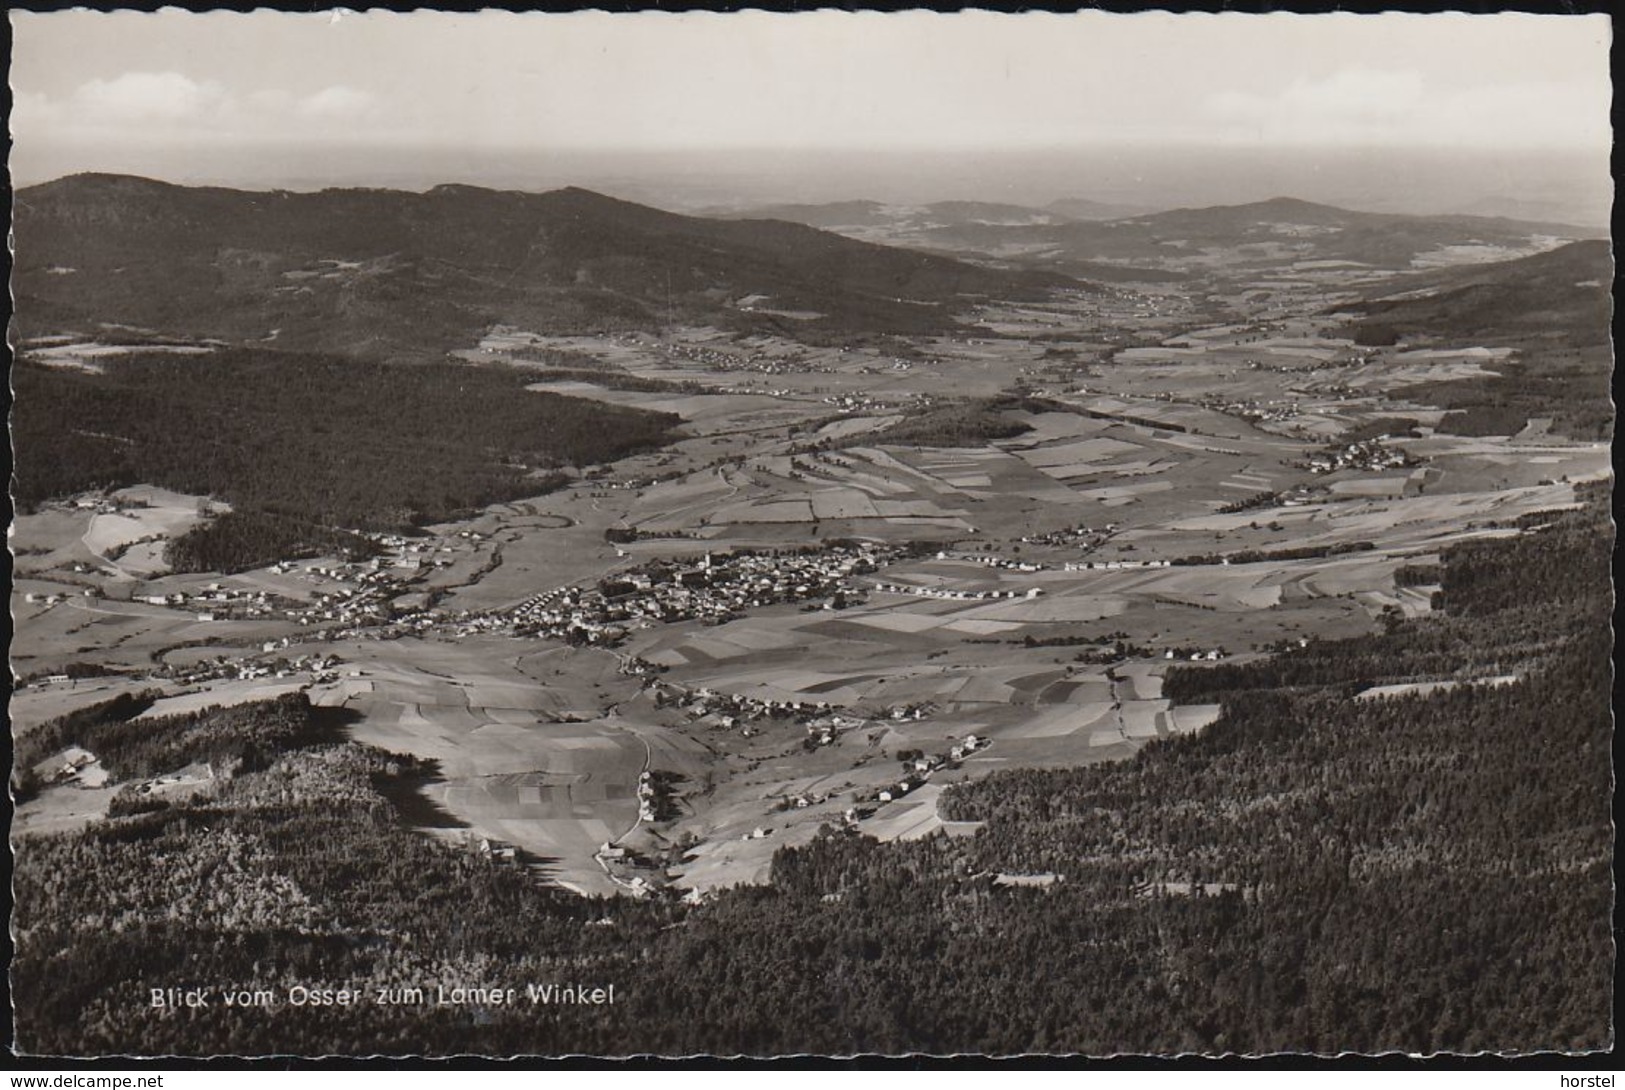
411 795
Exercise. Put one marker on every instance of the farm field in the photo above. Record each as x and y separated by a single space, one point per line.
34 704
110 537
514 762
533 752
61 808
1170 484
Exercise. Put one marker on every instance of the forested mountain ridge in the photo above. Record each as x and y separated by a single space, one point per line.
1232 219
382 272
1215 894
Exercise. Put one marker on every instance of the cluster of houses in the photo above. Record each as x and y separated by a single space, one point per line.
859 403
1115 565
714 358
773 365
957 595
715 588
102 505
908 711
631 484
757 391
1192 655
369 586
892 366
1366 454
637 666
362 597
919 770
1073 535
1273 411
413 554
346 606
801 802
719 360
759 362
218 603
994 561
1258 329
649 800
321 668
725 711
1355 359
227 669
48 679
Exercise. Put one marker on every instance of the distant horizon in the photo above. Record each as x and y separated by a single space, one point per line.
1559 189
1395 112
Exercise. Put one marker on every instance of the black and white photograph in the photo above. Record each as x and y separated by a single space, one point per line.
826 534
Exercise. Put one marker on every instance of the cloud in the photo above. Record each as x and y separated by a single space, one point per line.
1400 107
148 96
158 105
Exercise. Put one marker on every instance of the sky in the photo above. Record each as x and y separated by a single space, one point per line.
272 98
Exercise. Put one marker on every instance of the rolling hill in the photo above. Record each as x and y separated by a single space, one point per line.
1553 307
1082 208
383 273
1266 233
1089 240
1324 232
1563 292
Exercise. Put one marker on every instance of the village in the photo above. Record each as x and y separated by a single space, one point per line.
717 360
712 589
315 668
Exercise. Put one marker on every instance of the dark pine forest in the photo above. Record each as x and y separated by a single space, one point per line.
305 446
